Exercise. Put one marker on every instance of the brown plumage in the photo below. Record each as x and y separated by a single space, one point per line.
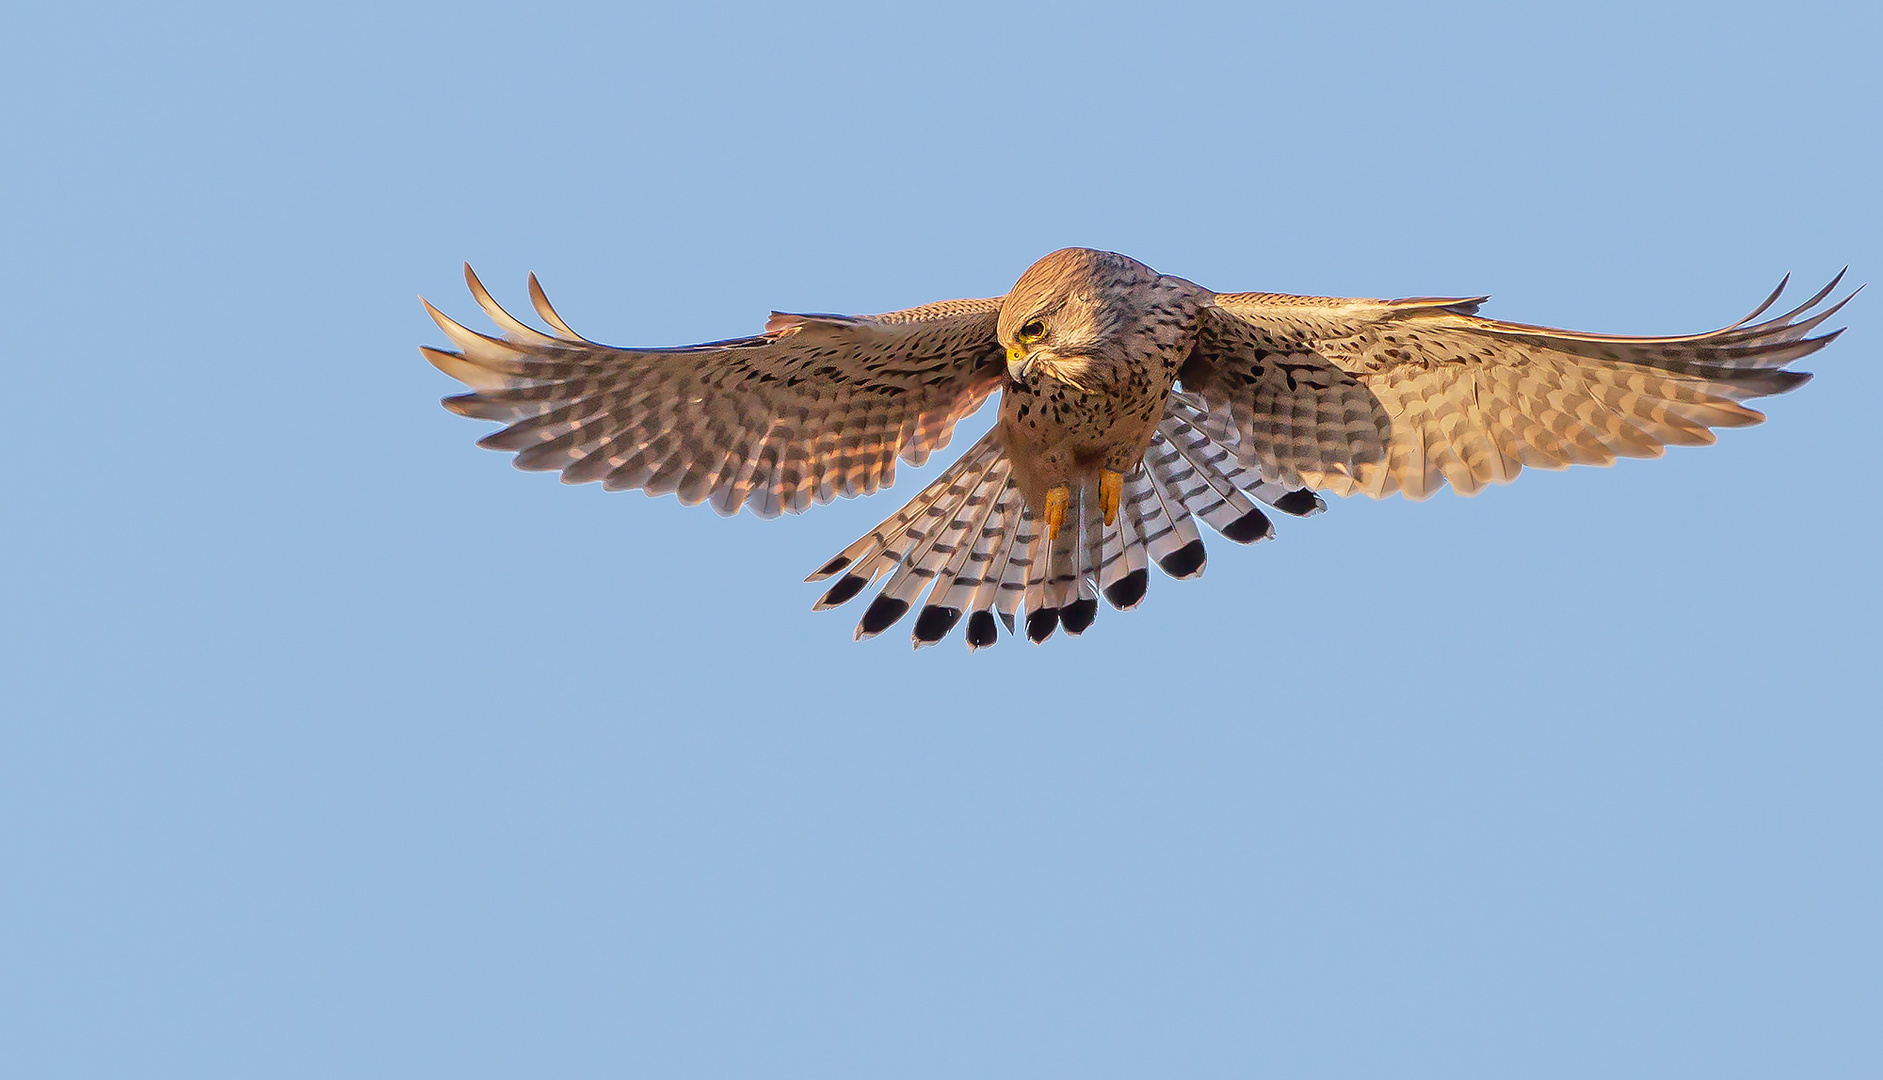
1092 386
1099 464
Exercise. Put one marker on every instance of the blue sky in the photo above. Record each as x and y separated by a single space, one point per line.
337 747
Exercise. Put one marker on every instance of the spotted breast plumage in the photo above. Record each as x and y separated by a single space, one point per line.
1133 404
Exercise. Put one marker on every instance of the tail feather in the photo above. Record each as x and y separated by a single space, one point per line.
952 551
873 543
1078 614
1042 618
1019 568
1187 461
988 543
1068 553
1154 527
970 541
1177 546
1188 415
973 586
927 545
1062 580
891 542
1123 577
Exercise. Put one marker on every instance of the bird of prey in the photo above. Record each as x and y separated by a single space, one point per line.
1132 404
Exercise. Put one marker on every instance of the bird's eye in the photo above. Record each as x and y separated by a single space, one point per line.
1032 331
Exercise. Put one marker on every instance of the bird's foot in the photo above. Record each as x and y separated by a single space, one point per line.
1111 491
1056 502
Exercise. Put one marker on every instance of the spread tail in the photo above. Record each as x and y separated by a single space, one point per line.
971 542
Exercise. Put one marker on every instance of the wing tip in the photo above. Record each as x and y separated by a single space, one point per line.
462 368
540 301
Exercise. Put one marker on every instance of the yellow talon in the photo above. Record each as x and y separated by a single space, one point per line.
1056 502
1111 490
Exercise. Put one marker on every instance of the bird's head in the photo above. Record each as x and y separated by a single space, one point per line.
1067 313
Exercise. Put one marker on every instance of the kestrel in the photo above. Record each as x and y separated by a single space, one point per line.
1132 404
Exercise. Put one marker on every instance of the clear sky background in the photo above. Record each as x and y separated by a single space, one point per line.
335 747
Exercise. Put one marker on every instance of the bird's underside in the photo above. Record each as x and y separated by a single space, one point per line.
1133 404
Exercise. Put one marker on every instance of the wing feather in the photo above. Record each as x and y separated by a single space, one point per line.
817 406
1386 396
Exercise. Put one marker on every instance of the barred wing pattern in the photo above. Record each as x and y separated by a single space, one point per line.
817 406
1384 396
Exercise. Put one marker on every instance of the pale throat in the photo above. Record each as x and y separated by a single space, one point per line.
1084 373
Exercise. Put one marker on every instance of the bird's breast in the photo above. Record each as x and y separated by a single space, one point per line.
1058 432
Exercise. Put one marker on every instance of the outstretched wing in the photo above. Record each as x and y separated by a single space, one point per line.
1379 396
817 406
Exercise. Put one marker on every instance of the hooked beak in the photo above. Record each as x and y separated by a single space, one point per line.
1018 363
